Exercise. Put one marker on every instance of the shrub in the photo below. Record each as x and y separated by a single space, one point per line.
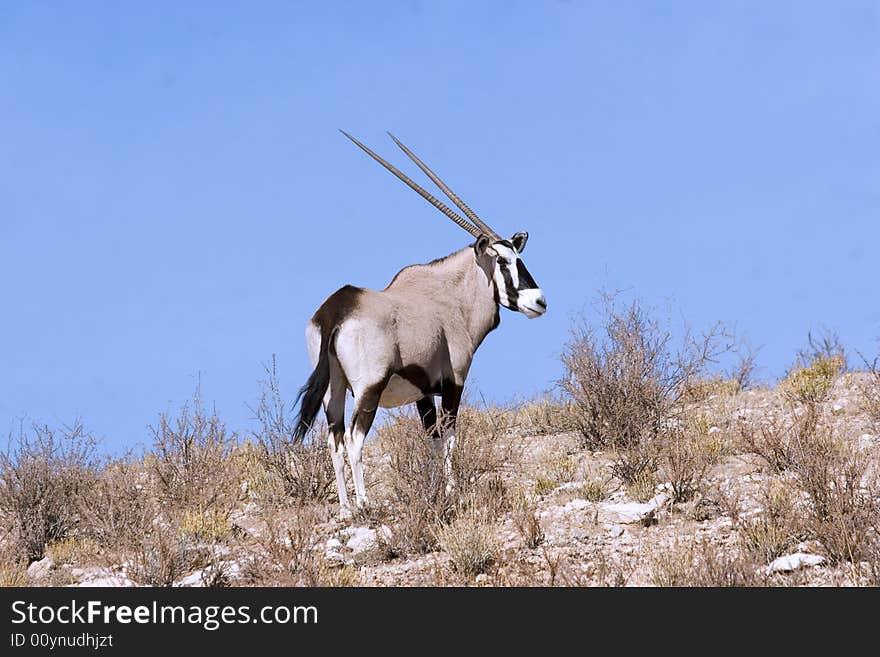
843 513
285 551
285 469
190 460
627 382
44 477
122 506
869 392
776 439
417 497
683 461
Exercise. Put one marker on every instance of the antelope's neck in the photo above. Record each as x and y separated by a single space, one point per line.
478 300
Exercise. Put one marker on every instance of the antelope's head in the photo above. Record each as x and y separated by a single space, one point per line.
515 288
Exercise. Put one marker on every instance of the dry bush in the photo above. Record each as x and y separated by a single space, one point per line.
281 469
418 498
44 476
869 392
13 562
190 460
122 507
132 519
705 564
843 513
469 540
683 460
627 381
776 439
284 551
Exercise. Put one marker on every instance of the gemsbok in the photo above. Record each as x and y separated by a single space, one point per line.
414 340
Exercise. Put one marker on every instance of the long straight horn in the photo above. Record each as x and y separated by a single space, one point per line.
445 188
445 209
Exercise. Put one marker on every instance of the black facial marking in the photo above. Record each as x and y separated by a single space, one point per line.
526 282
512 292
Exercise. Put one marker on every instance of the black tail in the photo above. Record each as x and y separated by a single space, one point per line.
312 393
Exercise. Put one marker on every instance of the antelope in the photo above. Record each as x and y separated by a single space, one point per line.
412 341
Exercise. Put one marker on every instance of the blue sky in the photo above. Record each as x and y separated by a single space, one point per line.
176 201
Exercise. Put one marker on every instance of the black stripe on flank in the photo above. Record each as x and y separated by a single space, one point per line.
526 282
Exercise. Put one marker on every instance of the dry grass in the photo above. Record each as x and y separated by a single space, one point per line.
525 519
811 383
469 540
775 527
704 564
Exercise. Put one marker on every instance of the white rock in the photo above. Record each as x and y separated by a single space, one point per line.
616 531
866 441
105 577
40 569
839 407
576 505
795 561
629 513
77 572
333 544
361 539
334 558
193 579
713 429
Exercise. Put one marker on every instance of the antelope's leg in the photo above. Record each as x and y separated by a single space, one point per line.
449 401
334 407
361 421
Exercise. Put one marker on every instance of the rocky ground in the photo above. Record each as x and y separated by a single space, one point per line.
588 527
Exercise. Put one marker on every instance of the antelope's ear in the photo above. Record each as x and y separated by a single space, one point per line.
519 241
482 244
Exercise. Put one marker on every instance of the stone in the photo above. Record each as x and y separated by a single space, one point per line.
867 441
41 569
616 531
839 408
360 539
795 561
629 513
333 544
576 505
713 430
